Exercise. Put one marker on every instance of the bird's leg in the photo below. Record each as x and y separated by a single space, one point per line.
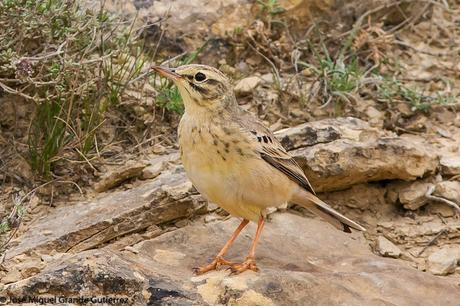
250 263
219 260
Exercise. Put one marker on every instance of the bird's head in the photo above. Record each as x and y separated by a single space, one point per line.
200 86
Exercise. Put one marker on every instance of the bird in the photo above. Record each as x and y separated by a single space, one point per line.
235 161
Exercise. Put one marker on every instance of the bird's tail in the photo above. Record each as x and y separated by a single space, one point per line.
318 207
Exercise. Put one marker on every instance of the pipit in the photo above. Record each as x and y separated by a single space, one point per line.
236 162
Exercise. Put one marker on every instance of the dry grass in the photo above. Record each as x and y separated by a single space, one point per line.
70 66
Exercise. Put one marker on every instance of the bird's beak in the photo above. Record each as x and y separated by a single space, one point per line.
167 72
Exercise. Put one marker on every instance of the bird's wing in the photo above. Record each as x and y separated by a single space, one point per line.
271 150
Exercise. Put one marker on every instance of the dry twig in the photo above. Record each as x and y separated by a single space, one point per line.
431 242
429 196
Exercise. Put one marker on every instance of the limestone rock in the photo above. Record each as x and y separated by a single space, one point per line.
304 271
268 78
30 267
247 85
12 276
152 171
89 224
343 163
376 117
450 165
160 163
368 204
441 209
341 152
449 190
87 274
326 130
412 195
118 175
387 248
415 233
444 261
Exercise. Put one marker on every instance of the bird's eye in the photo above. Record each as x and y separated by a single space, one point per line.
200 77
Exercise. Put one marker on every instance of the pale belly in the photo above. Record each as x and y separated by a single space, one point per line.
244 185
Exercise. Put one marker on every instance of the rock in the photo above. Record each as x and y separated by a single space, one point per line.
268 78
441 209
386 248
181 223
413 234
444 261
449 190
304 271
412 195
212 218
246 86
152 232
131 249
343 162
11 277
362 196
30 267
212 207
338 153
152 171
325 131
120 174
376 117
87 274
171 158
415 123
86 225
49 258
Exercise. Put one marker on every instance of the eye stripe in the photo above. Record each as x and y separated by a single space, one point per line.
212 81
198 88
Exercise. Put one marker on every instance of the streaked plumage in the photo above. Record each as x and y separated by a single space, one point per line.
232 158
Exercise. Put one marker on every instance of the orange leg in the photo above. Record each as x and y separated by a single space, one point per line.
250 263
219 260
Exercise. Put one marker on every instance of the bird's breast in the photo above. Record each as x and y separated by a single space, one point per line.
223 165
213 156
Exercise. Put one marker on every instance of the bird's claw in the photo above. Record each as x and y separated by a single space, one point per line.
214 265
247 264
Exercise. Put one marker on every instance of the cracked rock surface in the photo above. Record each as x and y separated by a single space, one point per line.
302 261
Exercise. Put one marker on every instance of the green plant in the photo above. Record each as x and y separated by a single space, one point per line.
72 65
339 76
392 90
271 7
4 227
11 222
336 80
238 30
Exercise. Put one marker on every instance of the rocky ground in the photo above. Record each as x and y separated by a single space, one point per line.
142 240
138 228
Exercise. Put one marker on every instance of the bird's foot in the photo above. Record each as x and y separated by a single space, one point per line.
248 264
214 265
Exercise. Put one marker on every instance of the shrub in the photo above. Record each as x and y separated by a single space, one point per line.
71 65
